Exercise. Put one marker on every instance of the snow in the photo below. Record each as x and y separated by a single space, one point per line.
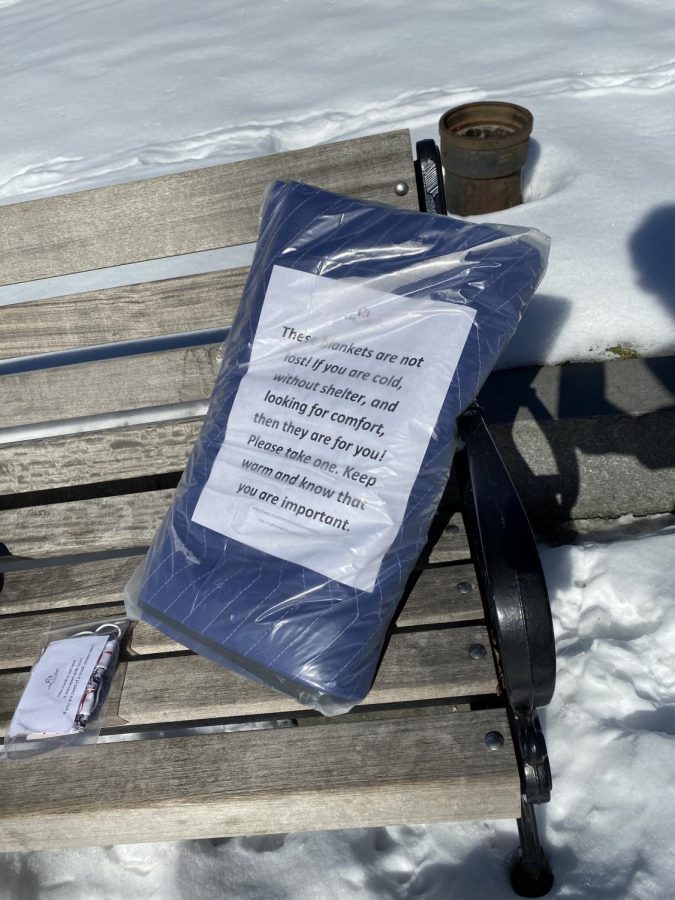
96 92
609 828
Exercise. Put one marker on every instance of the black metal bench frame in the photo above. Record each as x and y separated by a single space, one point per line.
513 589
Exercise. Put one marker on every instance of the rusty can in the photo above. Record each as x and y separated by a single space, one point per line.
484 147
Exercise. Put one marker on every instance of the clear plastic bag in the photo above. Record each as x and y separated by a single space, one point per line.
64 702
363 333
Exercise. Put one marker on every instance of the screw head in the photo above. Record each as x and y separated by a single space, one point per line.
477 651
401 188
452 528
465 587
494 740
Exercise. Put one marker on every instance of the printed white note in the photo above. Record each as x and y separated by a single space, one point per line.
331 422
57 681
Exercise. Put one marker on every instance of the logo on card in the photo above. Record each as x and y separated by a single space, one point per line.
362 313
50 679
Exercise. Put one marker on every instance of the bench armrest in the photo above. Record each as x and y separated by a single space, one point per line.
508 568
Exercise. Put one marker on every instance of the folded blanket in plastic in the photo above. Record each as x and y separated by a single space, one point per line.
363 333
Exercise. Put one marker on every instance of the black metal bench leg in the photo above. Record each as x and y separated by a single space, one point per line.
531 875
513 589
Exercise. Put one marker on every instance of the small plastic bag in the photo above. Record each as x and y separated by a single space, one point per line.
64 702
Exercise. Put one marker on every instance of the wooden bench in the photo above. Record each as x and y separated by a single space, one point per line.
92 442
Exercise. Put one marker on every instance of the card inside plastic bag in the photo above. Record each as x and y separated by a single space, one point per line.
363 332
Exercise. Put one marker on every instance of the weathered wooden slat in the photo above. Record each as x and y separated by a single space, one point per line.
126 313
268 781
96 456
66 587
20 636
111 385
201 209
453 544
442 594
107 523
125 521
418 665
439 596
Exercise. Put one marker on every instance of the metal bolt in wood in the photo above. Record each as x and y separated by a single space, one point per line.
494 740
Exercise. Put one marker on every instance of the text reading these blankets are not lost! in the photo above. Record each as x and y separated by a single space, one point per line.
331 422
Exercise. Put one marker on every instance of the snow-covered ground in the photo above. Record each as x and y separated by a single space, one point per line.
94 92
609 829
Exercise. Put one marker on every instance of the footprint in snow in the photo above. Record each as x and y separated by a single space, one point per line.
263 843
382 840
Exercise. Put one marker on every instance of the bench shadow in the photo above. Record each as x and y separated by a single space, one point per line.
656 721
564 421
211 854
652 250
19 877
543 320
484 871
511 391
533 156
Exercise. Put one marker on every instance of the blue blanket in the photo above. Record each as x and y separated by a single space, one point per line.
263 614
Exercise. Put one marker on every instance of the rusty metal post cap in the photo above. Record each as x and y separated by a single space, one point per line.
484 147
485 140
488 125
